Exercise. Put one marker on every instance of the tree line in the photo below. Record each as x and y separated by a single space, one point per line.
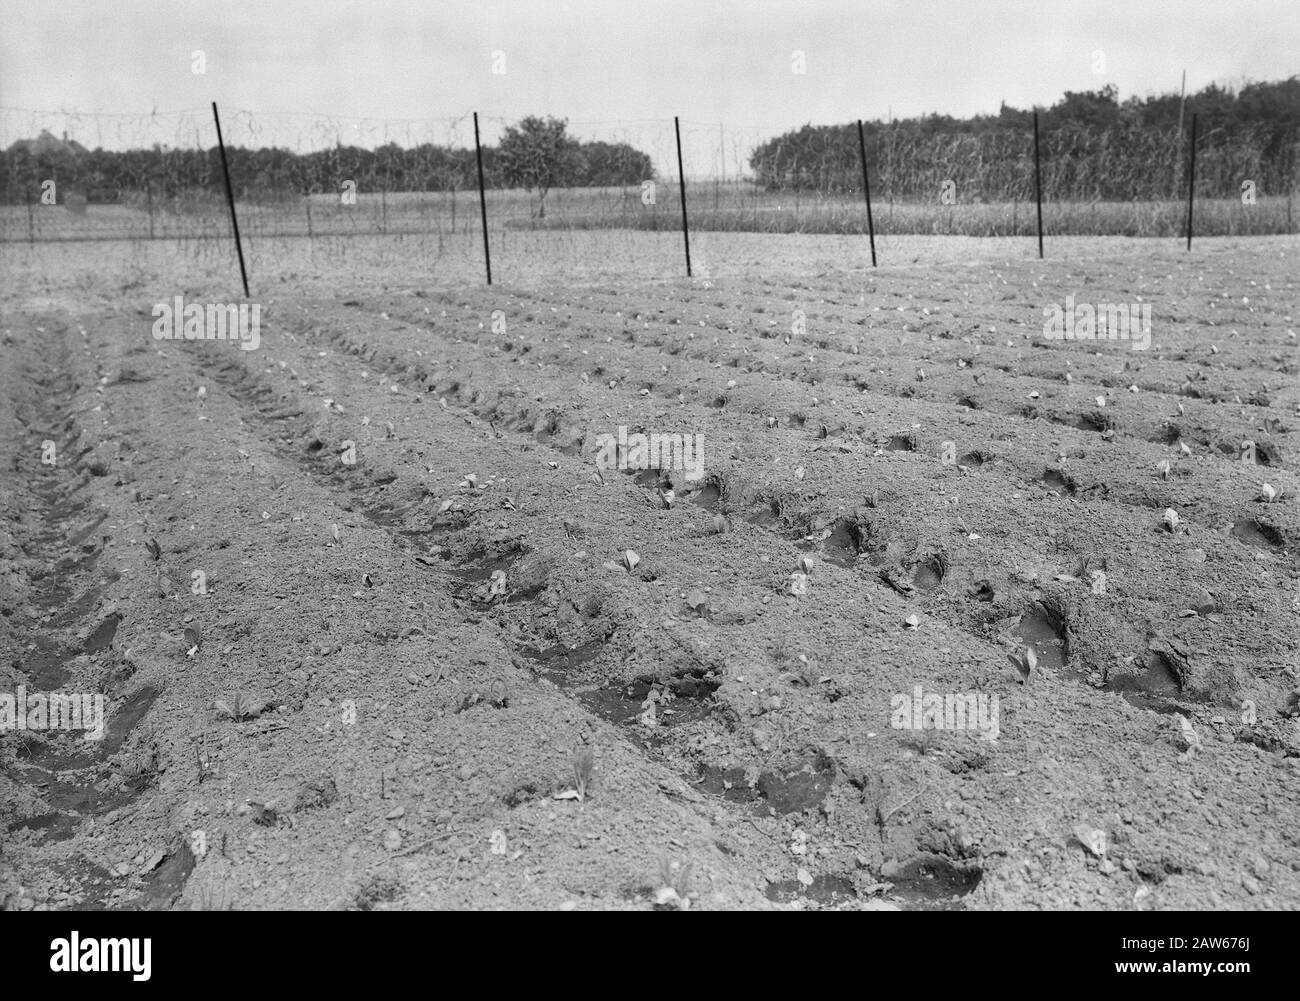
536 154
1092 146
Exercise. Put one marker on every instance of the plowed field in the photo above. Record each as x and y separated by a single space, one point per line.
418 592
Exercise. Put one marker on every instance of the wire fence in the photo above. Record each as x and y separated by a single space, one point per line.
70 176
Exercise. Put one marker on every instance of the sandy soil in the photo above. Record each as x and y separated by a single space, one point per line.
420 607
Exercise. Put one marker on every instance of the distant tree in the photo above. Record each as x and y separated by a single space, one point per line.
539 154
613 164
1013 118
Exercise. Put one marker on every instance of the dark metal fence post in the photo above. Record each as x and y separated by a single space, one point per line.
230 197
482 201
1038 186
866 192
681 177
1191 182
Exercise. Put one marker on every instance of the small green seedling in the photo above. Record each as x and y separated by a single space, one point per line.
1025 663
583 761
203 756
212 899
240 708
674 885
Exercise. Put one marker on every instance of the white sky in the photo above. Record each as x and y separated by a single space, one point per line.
615 68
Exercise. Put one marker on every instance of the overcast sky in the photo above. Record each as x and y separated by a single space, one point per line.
617 69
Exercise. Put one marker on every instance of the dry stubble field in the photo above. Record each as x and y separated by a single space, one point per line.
397 701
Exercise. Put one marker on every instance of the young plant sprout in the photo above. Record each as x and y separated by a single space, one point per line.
583 760
673 892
